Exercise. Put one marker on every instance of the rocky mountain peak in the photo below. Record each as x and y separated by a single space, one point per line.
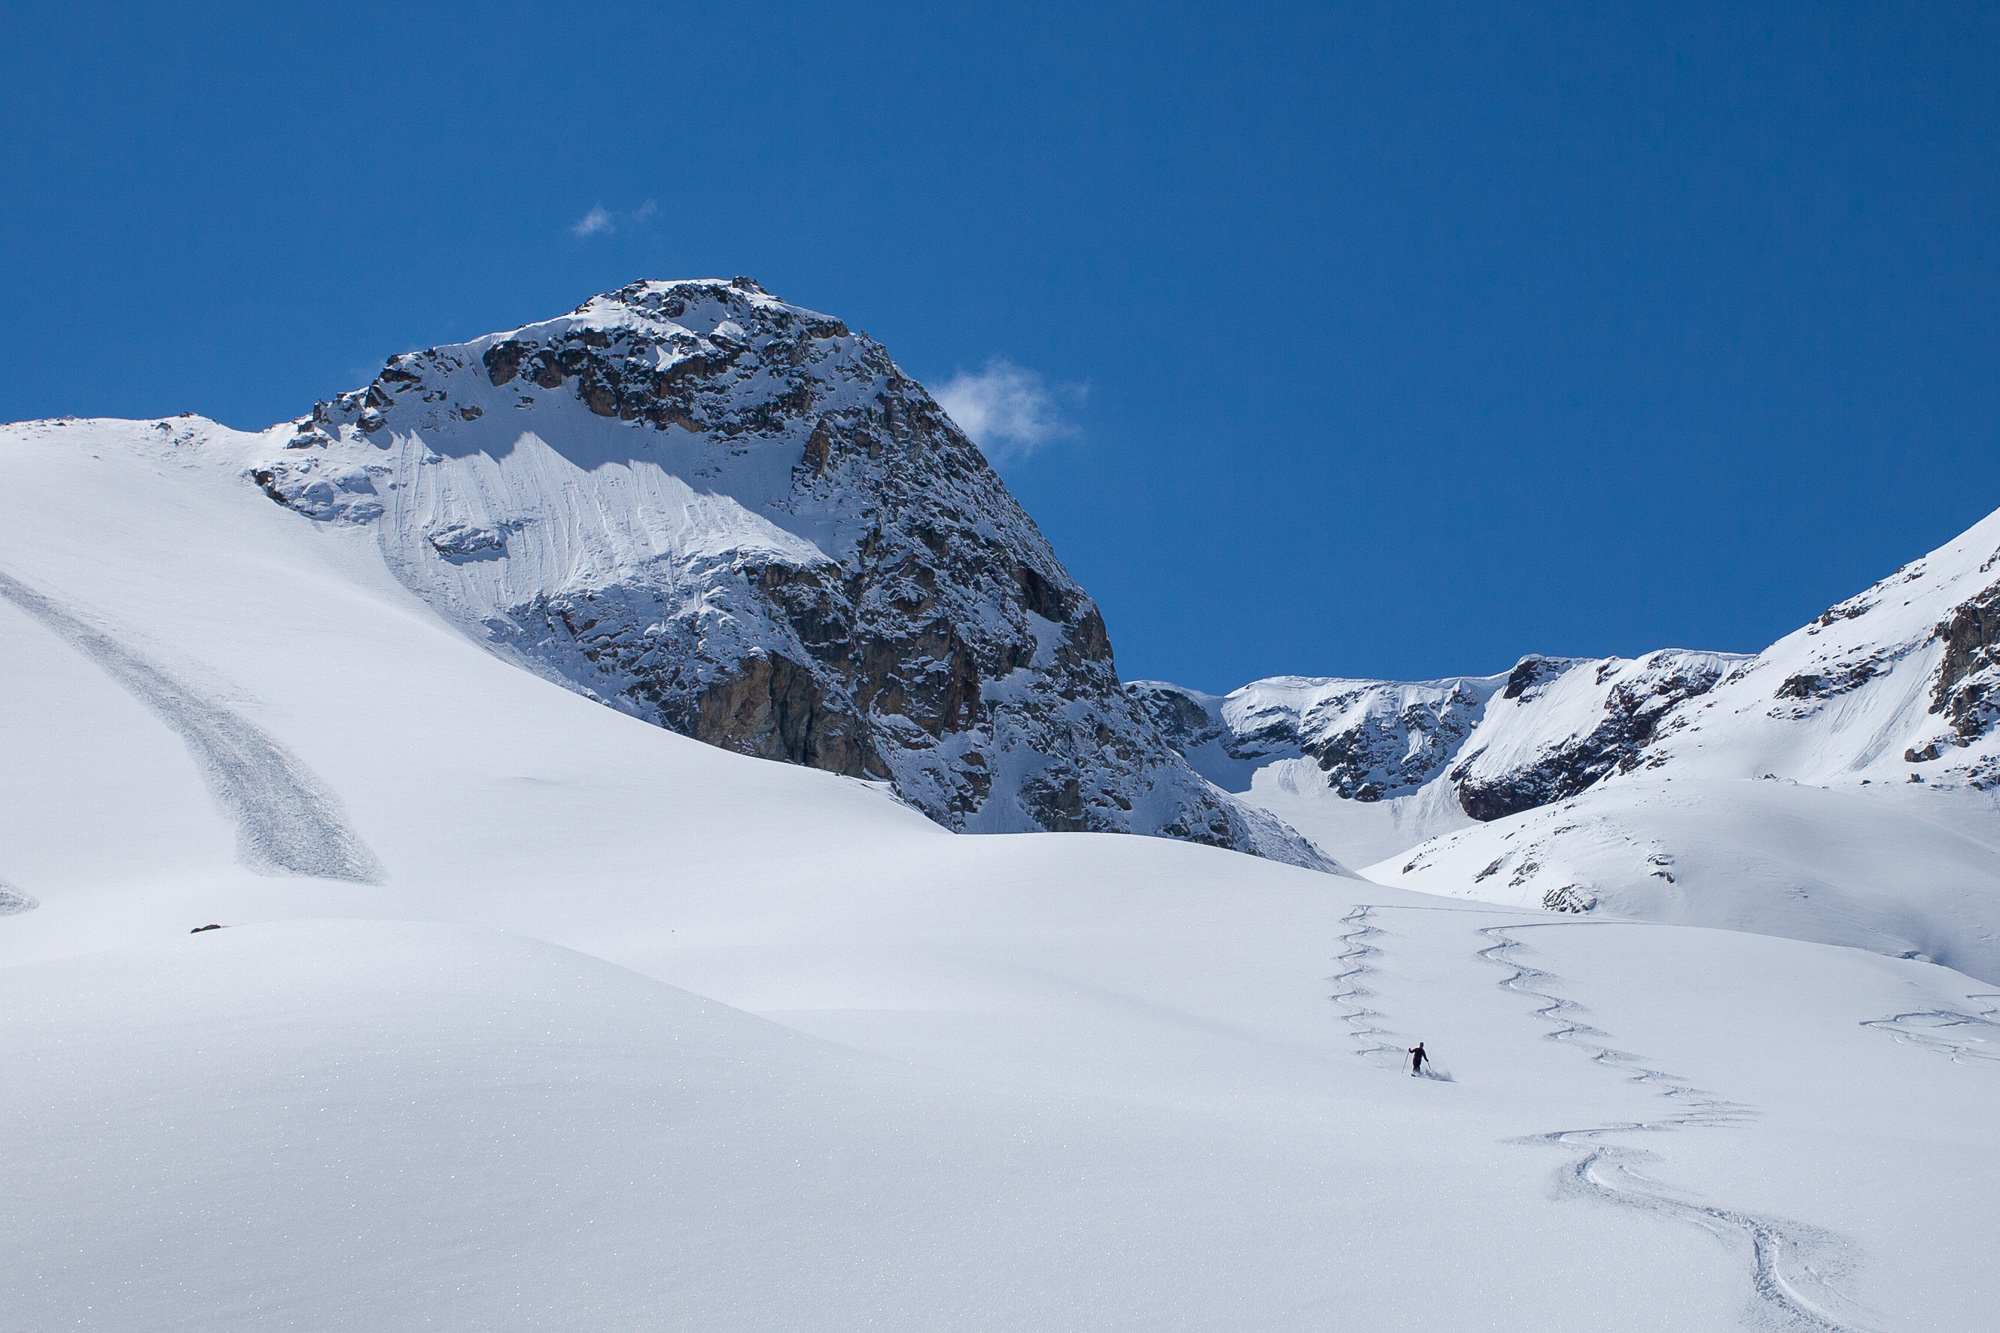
739 519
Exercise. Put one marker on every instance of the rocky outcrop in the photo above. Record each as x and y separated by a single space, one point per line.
1965 687
1181 717
1222 750
740 520
1545 731
1604 718
1392 742
1372 739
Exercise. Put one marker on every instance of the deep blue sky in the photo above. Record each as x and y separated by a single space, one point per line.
1416 337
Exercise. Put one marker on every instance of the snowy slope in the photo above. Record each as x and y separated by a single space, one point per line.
739 519
1552 785
1891 685
1839 786
1911 874
530 1015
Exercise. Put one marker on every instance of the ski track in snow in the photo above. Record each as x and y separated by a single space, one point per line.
1351 995
1950 1032
1793 1264
287 821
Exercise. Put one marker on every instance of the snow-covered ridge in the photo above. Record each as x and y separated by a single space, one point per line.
1892 685
737 518
1559 727
1895 684
1838 786
1375 766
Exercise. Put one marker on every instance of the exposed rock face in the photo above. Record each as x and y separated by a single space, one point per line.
1596 718
1371 739
1532 673
1182 719
1964 691
1545 731
1225 753
739 519
1387 743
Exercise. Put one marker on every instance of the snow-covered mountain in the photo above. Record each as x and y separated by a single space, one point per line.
525 1014
1555 784
1375 766
737 518
1355 764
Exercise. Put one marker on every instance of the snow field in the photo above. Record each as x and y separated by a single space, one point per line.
636 1031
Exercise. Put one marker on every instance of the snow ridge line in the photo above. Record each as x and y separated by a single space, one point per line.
1793 1264
1928 1028
1351 994
287 820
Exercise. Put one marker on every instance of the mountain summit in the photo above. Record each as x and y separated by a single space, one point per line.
738 519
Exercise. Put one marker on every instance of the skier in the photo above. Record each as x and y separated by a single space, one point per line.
1417 1058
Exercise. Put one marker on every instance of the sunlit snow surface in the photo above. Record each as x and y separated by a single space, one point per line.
621 1031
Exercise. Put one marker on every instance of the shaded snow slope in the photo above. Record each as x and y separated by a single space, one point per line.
633 1031
739 519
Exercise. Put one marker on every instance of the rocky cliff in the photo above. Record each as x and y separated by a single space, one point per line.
738 519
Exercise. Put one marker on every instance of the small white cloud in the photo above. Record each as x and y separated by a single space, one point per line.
595 222
1009 410
601 221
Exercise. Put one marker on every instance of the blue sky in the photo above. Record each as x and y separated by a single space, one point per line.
1377 339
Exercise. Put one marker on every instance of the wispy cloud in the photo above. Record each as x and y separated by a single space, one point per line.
594 223
1010 411
601 221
